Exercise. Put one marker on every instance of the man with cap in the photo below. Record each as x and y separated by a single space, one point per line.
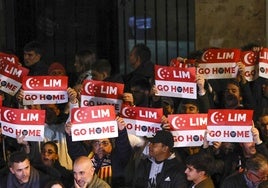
161 168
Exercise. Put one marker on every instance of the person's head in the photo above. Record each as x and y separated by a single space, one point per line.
84 60
167 105
257 169
263 123
19 166
161 145
101 69
49 153
248 149
232 95
56 69
265 88
52 112
83 171
102 147
33 52
250 46
54 184
140 90
227 147
188 106
198 167
139 54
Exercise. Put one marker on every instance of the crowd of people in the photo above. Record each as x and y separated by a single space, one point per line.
130 161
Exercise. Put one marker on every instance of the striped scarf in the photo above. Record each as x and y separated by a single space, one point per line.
102 167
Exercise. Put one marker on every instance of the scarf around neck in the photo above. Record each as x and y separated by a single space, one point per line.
32 183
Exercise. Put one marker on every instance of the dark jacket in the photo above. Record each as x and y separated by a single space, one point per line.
171 176
38 69
58 172
38 179
260 99
231 162
234 181
144 71
119 157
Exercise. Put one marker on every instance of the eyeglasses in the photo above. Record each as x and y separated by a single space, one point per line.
49 152
104 143
258 177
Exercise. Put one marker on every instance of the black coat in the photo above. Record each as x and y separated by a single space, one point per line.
171 176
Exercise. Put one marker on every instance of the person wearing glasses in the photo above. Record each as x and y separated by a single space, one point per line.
256 172
232 157
49 163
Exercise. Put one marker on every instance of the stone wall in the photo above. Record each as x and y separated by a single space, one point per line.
229 23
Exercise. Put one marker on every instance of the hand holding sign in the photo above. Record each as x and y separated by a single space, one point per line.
205 141
128 99
68 127
20 139
255 134
165 123
241 72
121 123
200 81
19 96
72 95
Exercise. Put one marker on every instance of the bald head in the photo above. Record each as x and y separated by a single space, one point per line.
83 171
84 161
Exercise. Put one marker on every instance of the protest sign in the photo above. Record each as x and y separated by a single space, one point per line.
219 63
9 57
11 76
227 125
142 121
18 122
250 60
263 63
102 93
188 129
175 82
94 122
44 89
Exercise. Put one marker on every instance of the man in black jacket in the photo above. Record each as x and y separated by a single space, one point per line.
140 61
33 59
161 169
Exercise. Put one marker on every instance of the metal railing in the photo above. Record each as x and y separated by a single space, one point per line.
165 26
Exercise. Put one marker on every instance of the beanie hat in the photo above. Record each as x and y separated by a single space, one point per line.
56 65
